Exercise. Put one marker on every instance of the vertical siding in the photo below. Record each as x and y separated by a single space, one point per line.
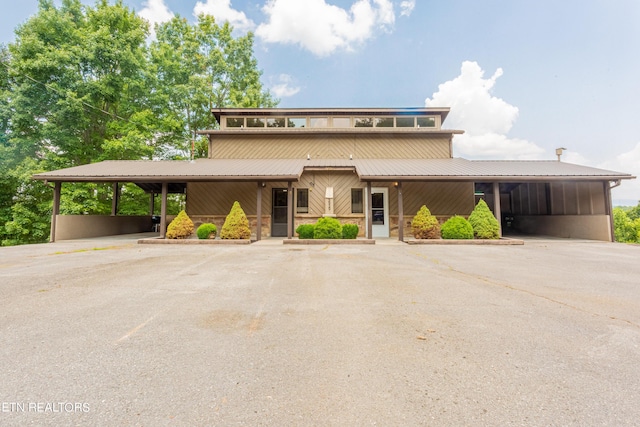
330 146
442 198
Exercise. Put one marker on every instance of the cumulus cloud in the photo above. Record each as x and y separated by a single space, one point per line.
485 118
406 7
222 11
284 86
155 12
628 162
323 28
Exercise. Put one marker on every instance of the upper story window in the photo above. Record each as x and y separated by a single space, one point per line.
363 122
341 122
426 122
296 122
335 122
384 122
319 122
279 122
255 122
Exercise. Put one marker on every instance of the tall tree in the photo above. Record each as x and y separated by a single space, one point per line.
196 68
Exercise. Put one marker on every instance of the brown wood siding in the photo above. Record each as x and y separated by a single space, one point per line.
367 146
217 198
317 183
442 198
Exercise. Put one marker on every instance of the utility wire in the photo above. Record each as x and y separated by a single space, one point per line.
67 95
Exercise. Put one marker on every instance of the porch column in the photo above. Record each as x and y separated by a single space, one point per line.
259 212
56 210
608 210
400 213
289 210
115 201
369 212
496 202
163 210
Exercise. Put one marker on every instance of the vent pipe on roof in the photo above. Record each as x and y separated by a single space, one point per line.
559 152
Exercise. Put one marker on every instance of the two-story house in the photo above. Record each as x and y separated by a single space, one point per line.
373 167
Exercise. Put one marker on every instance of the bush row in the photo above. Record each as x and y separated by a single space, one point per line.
482 224
327 228
236 226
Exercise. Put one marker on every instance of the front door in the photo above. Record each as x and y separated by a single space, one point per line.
380 211
279 212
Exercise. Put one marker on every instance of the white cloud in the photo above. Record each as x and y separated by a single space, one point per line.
324 28
222 11
628 162
406 7
284 86
155 12
485 118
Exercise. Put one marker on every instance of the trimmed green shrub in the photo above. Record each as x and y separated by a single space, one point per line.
207 231
305 231
327 228
457 227
484 223
350 231
181 227
236 224
424 225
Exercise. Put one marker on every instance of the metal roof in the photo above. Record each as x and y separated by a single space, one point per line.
141 171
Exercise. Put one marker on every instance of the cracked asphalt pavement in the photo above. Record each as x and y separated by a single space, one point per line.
109 332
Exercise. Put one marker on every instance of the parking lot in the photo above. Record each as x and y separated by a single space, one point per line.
110 332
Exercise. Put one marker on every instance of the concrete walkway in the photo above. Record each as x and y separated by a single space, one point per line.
116 333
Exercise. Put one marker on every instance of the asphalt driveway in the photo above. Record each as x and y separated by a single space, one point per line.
108 332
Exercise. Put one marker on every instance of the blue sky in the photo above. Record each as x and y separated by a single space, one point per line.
522 77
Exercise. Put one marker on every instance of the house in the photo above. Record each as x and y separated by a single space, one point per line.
373 167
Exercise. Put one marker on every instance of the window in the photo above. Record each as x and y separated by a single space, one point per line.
235 122
255 122
296 122
426 122
357 205
302 200
319 122
384 122
363 122
278 122
405 122
341 122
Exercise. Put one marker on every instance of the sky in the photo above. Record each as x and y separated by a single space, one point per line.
522 78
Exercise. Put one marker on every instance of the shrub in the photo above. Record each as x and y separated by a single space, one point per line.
207 231
424 225
484 223
457 227
327 228
305 231
181 227
350 231
236 224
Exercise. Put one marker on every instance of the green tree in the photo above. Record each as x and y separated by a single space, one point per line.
75 78
625 229
196 68
424 225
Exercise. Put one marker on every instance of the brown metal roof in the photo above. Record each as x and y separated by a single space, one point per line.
473 170
291 169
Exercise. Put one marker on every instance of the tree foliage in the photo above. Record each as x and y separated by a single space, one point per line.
626 225
80 84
